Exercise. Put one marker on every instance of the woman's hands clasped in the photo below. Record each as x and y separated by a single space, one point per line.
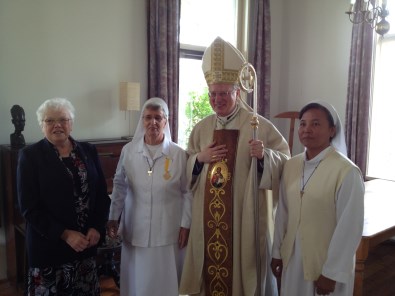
78 241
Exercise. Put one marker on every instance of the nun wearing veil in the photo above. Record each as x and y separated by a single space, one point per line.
152 203
319 219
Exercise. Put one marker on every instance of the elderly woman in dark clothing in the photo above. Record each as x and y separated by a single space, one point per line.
62 195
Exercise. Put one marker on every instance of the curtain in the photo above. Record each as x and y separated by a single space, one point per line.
260 53
163 55
358 94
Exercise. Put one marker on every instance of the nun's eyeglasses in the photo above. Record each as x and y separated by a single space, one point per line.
157 118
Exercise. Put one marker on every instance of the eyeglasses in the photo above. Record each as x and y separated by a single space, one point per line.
157 118
221 94
61 121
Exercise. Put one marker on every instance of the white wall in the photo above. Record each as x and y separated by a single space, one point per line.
76 49
311 42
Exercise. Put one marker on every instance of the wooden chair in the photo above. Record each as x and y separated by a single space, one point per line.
290 115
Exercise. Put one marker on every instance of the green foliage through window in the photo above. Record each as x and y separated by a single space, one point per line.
197 107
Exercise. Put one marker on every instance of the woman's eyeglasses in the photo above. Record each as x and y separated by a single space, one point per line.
61 121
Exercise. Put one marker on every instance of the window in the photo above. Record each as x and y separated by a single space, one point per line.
381 152
201 22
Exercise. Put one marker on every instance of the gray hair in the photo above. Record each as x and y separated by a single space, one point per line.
156 104
54 104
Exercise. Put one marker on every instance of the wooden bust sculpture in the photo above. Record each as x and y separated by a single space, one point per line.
18 120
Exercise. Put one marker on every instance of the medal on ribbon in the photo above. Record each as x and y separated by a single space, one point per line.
167 175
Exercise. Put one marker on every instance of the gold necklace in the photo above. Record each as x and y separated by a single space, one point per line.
303 183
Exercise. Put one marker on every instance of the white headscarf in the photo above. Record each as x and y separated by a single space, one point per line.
339 140
140 130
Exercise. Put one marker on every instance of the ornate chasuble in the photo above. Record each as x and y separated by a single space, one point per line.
218 228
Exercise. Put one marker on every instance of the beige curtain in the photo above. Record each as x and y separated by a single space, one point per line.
359 94
259 52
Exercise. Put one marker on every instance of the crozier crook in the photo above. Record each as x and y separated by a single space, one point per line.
248 82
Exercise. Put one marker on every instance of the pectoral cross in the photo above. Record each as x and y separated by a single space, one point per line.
150 167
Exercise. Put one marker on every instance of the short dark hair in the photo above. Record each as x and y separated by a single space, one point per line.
319 107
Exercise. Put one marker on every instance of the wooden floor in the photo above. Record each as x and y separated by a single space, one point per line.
379 275
108 287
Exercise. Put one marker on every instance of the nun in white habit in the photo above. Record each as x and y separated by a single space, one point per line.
319 219
151 198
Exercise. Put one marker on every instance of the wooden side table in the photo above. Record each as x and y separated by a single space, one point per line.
379 224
